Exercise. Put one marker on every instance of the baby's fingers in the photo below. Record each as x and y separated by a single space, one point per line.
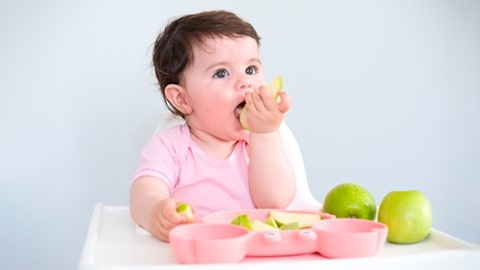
266 99
170 215
284 103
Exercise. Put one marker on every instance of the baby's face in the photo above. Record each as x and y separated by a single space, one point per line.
222 71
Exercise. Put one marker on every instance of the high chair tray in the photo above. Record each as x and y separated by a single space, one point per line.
113 241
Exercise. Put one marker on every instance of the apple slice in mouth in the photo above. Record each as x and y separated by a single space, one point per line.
238 110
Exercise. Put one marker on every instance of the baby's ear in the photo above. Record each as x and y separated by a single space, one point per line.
177 97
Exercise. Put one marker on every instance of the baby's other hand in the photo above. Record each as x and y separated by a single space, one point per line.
165 217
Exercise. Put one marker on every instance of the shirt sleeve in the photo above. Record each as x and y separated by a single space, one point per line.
160 157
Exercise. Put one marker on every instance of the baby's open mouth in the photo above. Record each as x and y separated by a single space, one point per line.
238 109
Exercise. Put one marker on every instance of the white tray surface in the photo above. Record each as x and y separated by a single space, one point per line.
115 242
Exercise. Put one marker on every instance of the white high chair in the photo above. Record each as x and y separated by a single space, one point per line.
114 241
304 199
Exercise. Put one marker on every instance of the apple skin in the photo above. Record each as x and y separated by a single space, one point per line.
408 216
350 200
242 220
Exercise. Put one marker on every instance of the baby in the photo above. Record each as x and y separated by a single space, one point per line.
208 67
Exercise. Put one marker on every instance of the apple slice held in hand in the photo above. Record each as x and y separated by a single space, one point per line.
185 210
275 87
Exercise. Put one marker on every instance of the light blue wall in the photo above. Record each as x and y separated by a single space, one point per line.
384 93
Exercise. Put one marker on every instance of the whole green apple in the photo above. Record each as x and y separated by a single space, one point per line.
350 200
408 216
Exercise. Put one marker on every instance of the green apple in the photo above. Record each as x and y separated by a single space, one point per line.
350 200
258 225
242 220
408 216
275 86
185 210
304 220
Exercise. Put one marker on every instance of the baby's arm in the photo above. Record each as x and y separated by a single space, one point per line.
152 208
272 179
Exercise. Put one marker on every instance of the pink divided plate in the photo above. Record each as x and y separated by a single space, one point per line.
215 240
272 243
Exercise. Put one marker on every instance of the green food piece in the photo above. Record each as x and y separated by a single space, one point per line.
242 220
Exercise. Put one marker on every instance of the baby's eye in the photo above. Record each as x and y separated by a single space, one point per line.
220 74
251 70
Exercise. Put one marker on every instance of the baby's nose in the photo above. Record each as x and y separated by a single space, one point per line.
245 82
246 85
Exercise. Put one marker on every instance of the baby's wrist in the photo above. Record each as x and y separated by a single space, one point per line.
267 136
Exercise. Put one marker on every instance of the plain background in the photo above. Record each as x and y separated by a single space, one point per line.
385 94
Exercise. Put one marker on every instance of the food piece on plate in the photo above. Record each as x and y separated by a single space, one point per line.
242 220
271 222
290 226
304 220
258 225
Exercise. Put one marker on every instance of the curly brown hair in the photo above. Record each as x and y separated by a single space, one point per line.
173 48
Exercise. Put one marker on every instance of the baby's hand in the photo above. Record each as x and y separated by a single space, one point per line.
165 217
265 114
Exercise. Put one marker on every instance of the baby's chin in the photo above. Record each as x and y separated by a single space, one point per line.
243 134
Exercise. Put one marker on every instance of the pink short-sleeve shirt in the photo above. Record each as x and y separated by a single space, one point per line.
207 183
